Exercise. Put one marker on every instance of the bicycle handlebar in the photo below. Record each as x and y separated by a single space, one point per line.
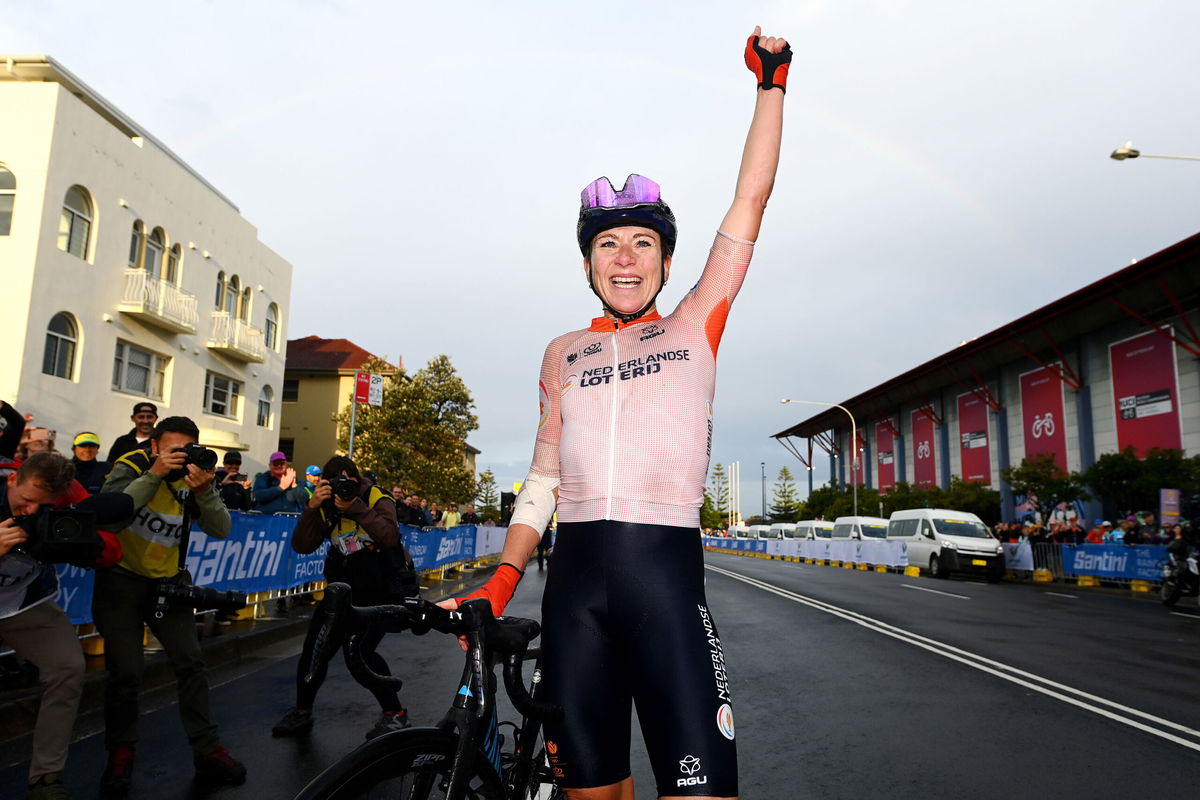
507 637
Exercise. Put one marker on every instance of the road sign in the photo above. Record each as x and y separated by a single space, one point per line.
362 387
375 393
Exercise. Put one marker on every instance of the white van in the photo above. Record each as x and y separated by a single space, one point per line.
739 532
814 529
760 532
783 530
945 541
862 528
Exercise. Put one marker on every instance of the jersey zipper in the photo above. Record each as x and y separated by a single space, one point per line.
612 424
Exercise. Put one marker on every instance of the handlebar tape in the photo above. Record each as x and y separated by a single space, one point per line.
771 69
499 588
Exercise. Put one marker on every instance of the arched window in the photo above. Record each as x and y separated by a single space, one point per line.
271 328
75 225
136 239
62 335
233 288
220 290
265 397
174 259
244 306
8 197
154 253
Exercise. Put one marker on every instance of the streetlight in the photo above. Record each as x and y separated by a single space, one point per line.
763 465
1126 151
853 441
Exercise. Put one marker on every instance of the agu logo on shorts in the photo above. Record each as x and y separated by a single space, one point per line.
725 721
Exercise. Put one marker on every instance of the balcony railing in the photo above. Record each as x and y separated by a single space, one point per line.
158 302
236 338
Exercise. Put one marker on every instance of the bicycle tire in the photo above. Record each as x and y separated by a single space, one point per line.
396 764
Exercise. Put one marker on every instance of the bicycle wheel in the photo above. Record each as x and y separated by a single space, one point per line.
405 765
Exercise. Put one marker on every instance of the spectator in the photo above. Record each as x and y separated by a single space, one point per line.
88 471
398 496
435 515
1129 532
145 416
312 478
450 518
168 494
1150 531
543 545
232 484
489 522
30 621
36 440
1096 534
469 516
272 489
426 518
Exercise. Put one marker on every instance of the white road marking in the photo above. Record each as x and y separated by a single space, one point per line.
1181 614
934 591
1059 594
1081 699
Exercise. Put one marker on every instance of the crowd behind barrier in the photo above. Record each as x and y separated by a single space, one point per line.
1117 563
257 558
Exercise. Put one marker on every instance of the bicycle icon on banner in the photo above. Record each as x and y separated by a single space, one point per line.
923 449
1042 426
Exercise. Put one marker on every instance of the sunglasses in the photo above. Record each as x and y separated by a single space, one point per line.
637 190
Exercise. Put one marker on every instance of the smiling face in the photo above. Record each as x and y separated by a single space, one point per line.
627 267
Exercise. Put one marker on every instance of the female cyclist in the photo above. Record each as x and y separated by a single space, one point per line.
622 451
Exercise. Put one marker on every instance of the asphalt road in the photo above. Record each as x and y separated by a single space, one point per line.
845 684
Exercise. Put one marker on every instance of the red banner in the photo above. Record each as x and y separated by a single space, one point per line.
924 465
362 387
1042 419
856 463
1145 393
885 457
973 439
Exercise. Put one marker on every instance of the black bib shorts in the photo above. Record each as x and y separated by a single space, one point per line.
625 621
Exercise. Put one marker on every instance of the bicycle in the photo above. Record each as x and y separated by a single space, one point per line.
463 756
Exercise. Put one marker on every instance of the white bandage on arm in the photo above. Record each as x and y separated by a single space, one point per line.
535 503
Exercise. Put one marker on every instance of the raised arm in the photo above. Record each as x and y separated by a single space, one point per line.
768 57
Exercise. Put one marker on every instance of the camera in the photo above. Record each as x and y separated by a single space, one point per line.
201 598
344 488
198 454
61 536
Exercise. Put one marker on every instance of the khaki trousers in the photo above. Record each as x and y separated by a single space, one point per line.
44 636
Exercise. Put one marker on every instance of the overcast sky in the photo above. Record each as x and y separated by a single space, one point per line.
945 169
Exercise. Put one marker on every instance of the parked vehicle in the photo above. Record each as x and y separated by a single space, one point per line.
761 532
739 532
946 541
861 528
814 529
783 530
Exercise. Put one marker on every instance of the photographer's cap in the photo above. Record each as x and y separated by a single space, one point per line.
140 407
313 470
232 457
278 455
86 439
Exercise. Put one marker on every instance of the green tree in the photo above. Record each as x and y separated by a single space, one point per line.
709 516
1127 483
487 494
719 491
416 438
980 500
784 502
1044 483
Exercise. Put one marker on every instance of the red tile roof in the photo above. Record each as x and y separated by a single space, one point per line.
314 354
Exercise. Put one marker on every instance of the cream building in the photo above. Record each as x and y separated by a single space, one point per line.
127 276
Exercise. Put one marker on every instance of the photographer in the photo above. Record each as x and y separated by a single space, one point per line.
30 621
232 484
365 552
171 486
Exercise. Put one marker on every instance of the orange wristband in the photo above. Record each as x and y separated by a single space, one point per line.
499 588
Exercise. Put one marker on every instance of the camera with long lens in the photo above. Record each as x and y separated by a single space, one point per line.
198 454
201 598
61 536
